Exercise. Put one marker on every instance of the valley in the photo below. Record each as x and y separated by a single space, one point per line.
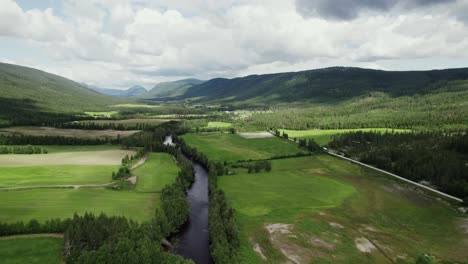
247 178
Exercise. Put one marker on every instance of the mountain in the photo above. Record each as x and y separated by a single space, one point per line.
30 93
170 89
322 84
133 91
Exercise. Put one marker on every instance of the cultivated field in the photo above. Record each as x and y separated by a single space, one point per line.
229 147
80 133
55 175
219 124
44 204
323 210
158 171
31 250
105 157
323 136
132 121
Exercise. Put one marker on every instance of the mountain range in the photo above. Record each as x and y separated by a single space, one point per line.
133 91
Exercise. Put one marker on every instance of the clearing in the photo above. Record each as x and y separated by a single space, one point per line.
324 136
105 157
324 210
229 147
158 171
31 250
80 133
45 204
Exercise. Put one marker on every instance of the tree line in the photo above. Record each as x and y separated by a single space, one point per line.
53 140
103 126
23 150
439 159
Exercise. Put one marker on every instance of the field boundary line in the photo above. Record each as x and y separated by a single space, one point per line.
76 186
53 235
389 174
140 162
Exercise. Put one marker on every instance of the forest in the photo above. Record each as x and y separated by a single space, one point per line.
439 159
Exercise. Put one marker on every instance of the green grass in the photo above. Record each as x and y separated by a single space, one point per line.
135 106
43 204
324 136
55 175
34 250
219 124
106 114
310 193
228 147
158 171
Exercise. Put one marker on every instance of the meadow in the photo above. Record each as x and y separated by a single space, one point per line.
55 175
324 136
103 157
44 204
79 133
323 210
219 124
232 147
31 250
158 171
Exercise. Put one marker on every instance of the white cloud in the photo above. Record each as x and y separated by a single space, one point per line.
118 43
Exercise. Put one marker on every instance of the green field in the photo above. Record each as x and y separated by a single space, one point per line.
55 175
158 171
219 124
228 147
319 209
44 204
31 250
107 114
324 136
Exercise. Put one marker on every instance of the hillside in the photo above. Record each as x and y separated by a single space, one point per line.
322 84
27 93
133 91
170 89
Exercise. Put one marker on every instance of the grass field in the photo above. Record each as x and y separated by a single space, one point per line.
34 250
219 124
323 210
228 147
55 175
104 157
107 114
43 204
322 137
50 131
135 106
158 171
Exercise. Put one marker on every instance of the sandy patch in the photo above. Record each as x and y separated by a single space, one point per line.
105 157
278 228
132 180
256 135
336 225
258 250
364 245
315 241
464 224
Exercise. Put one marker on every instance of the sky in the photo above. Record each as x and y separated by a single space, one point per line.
121 43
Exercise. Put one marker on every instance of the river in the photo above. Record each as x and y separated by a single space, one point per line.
193 239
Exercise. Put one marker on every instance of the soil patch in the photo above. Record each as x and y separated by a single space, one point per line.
256 135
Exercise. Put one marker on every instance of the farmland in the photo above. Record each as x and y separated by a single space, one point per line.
158 171
31 250
324 136
50 131
219 124
229 147
45 204
326 210
104 157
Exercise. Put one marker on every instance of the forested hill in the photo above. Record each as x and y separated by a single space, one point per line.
47 91
331 83
26 93
170 89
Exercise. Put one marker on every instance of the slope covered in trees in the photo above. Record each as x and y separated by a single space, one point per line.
27 94
326 84
170 89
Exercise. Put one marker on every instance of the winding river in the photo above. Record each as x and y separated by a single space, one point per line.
193 239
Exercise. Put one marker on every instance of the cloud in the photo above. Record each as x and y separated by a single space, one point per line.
350 9
119 43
